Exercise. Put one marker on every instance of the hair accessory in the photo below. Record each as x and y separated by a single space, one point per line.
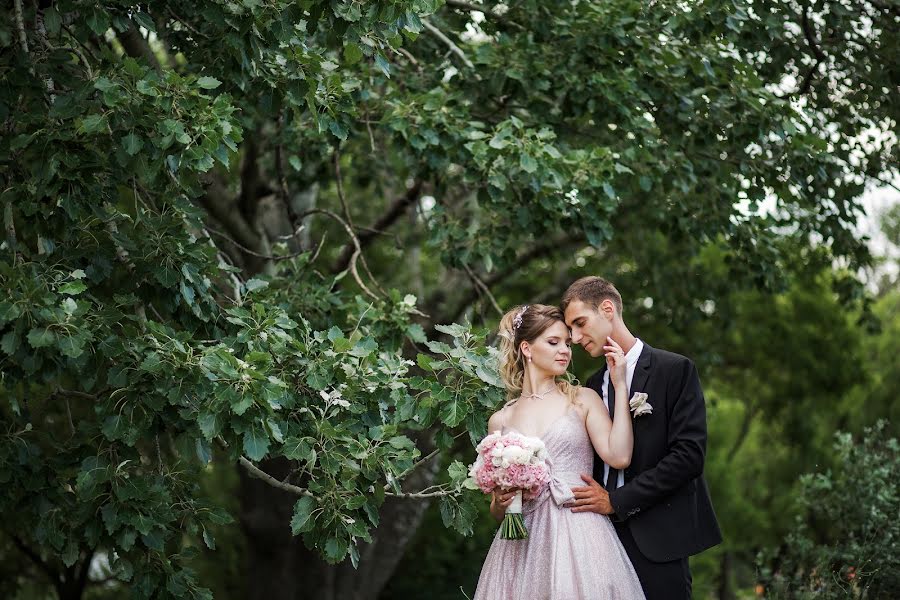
517 320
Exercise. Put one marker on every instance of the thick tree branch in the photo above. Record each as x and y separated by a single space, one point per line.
10 225
247 200
219 203
453 47
484 289
262 475
136 46
52 573
810 35
246 250
396 210
500 275
20 26
185 24
339 183
357 248
425 459
299 491
749 415
77 394
83 570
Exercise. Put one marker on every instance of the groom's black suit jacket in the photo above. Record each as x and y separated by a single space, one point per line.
665 501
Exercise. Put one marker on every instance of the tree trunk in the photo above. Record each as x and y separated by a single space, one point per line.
725 591
280 566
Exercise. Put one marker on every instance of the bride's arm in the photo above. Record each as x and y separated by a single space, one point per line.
613 441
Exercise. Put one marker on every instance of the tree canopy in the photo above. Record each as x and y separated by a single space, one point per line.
248 230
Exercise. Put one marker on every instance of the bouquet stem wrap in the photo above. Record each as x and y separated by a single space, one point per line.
513 526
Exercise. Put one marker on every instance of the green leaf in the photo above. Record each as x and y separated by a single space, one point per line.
208 539
364 347
41 337
73 288
355 502
70 554
352 53
132 143
147 88
453 412
401 442
8 312
10 342
256 445
528 164
52 20
256 284
303 509
112 427
457 471
208 83
72 346
338 130
335 549
242 403
209 425
383 65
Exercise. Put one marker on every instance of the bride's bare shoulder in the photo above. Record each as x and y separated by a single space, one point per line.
588 398
495 422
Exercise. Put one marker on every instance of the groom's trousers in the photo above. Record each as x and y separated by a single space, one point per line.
660 581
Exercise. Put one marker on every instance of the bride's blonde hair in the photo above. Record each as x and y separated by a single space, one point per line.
524 324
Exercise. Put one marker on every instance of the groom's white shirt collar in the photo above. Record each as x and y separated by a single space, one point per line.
631 358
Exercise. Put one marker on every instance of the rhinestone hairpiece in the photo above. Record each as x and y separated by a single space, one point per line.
517 320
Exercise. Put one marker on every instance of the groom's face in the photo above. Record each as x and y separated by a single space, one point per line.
590 326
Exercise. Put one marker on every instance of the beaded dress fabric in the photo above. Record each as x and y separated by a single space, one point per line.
567 555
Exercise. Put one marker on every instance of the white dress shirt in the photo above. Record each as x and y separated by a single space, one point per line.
630 362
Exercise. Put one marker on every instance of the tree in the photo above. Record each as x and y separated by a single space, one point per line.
836 550
197 198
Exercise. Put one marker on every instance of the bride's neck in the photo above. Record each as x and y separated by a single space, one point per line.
536 383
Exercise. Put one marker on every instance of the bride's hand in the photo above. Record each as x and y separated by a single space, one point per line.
615 362
500 499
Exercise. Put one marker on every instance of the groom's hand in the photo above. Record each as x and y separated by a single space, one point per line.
592 498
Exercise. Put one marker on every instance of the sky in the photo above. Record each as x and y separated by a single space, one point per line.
876 202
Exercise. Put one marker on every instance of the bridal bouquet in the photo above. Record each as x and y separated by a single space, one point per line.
511 461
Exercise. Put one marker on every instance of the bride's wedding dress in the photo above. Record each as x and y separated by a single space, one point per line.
567 555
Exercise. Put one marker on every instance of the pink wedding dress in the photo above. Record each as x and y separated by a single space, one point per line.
567 555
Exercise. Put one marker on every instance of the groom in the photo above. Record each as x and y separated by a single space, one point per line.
659 504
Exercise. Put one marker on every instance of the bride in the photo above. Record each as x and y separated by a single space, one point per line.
568 555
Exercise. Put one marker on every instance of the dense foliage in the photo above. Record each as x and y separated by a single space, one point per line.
186 275
847 543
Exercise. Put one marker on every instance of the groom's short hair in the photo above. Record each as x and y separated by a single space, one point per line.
592 290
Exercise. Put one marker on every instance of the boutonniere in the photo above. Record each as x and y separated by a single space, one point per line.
639 405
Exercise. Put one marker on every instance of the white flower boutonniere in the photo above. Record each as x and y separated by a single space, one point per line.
639 405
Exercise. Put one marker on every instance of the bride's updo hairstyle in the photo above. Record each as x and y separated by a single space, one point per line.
524 324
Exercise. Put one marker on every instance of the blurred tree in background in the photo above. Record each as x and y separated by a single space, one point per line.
235 234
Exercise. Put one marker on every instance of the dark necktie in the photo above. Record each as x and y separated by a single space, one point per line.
613 477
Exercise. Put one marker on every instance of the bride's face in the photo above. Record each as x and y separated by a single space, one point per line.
551 350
